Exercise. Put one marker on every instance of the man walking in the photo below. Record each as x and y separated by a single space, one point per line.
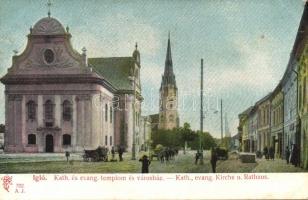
287 154
213 160
145 164
120 151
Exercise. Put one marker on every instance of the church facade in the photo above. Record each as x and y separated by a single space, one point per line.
57 99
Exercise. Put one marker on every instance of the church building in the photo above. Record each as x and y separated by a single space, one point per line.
58 100
168 117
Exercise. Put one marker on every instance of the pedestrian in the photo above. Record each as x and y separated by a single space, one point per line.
145 164
121 150
271 153
213 160
112 153
287 154
295 155
265 153
67 155
197 157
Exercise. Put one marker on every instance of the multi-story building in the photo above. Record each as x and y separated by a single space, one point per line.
276 122
303 106
244 130
301 55
253 129
291 125
263 112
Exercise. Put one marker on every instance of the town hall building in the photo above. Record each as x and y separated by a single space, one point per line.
58 100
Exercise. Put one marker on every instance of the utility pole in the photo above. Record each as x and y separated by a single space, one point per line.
201 115
221 120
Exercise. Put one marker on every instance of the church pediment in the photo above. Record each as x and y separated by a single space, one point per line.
48 51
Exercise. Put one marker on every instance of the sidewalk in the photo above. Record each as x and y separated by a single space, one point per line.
277 165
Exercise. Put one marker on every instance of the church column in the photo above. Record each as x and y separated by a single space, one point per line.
58 111
74 114
18 122
88 119
80 122
40 110
10 121
23 121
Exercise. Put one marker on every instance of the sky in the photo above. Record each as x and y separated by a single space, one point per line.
245 45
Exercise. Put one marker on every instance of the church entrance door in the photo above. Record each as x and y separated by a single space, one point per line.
49 143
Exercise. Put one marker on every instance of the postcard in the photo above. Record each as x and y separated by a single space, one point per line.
153 99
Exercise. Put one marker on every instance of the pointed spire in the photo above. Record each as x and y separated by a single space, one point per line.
168 62
136 46
168 77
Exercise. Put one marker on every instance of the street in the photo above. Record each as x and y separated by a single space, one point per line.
183 163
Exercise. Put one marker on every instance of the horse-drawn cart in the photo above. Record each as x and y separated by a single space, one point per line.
99 154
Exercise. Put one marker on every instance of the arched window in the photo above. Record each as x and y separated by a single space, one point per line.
110 114
106 112
106 140
31 139
110 140
171 118
67 110
48 110
48 113
31 110
66 139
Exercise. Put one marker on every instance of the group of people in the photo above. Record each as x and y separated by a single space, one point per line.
120 152
292 155
269 153
167 154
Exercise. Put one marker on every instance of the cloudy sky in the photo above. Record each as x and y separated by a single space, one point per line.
245 45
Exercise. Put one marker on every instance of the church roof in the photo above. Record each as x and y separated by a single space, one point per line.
115 70
48 26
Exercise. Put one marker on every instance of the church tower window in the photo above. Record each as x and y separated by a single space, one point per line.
31 110
171 118
67 110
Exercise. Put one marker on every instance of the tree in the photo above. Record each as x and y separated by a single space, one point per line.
187 134
207 141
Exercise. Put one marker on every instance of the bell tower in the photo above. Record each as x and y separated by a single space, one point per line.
168 113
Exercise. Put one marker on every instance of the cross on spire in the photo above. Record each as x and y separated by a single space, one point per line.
49 5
